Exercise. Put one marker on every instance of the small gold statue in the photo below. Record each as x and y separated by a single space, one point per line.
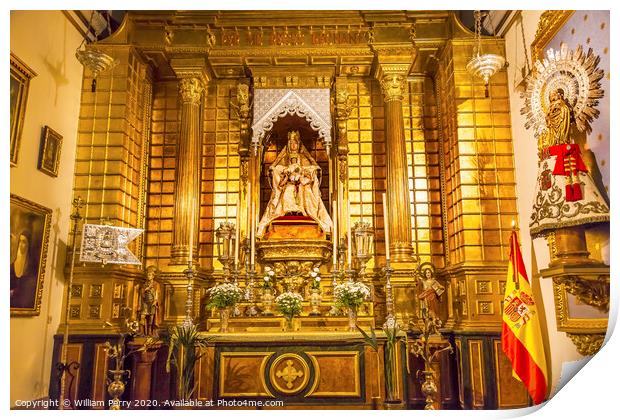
149 303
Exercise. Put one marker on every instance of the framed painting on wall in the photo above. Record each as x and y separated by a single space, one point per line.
30 230
49 154
20 82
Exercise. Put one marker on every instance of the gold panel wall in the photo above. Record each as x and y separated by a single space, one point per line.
164 133
367 170
112 139
367 164
220 170
479 170
422 137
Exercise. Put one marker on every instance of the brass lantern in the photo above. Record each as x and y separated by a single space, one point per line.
363 234
225 235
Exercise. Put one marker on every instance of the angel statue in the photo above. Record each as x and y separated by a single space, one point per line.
559 104
295 187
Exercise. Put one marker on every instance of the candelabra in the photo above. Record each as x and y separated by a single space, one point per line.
250 276
189 300
428 349
63 367
389 295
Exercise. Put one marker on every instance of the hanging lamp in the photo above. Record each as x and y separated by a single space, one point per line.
481 65
92 58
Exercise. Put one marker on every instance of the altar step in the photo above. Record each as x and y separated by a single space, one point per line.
278 323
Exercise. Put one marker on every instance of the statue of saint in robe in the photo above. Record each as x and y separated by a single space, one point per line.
566 194
295 187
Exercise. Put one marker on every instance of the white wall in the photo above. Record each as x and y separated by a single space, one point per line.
46 42
561 348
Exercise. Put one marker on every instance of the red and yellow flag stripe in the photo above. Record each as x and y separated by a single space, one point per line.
521 333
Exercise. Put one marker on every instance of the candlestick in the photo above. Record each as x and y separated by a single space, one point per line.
386 229
349 241
334 238
237 236
191 235
252 236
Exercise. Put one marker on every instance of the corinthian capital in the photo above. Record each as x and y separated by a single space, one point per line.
190 89
393 87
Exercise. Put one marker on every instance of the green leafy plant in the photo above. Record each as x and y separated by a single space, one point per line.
185 348
391 330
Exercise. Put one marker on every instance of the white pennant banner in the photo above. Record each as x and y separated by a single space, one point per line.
108 244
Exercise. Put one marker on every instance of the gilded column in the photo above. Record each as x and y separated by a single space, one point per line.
393 78
192 84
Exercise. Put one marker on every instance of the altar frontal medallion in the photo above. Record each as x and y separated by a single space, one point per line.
289 374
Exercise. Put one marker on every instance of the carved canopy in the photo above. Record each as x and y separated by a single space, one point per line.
272 104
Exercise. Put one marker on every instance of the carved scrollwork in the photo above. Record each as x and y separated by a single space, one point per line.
587 344
591 292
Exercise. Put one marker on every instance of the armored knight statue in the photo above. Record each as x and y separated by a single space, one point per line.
149 303
559 103
295 187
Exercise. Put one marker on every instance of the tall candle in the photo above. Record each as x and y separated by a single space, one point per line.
386 229
252 234
237 236
334 237
349 241
191 234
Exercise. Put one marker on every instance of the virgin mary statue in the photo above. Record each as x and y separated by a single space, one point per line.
295 187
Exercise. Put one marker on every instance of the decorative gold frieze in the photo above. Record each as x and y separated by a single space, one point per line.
75 311
191 90
76 290
587 344
94 311
95 291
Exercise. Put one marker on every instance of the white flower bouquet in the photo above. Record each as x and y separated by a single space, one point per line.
268 278
351 294
224 295
289 304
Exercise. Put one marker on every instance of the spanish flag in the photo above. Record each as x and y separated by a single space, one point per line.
521 334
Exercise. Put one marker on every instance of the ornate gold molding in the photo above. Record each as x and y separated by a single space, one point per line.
587 344
566 323
191 89
550 22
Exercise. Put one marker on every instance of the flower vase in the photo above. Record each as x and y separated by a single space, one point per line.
289 325
267 299
315 302
224 317
352 313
